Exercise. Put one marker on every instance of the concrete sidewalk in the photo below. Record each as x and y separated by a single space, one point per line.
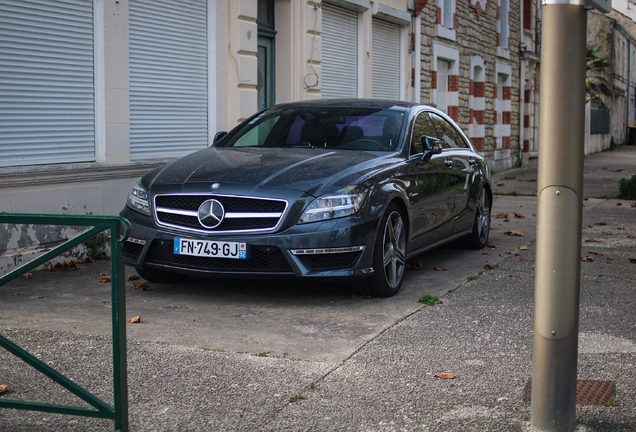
481 333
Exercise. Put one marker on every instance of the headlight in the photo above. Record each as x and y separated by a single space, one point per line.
341 203
138 198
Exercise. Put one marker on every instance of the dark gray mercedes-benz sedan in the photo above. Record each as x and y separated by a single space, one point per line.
316 189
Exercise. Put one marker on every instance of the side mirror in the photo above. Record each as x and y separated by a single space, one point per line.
431 146
218 136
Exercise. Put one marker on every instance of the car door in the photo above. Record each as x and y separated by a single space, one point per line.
460 157
433 209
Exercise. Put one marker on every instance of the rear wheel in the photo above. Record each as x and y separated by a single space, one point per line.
159 276
481 226
389 255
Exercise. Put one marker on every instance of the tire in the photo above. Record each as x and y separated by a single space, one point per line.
389 256
481 225
159 276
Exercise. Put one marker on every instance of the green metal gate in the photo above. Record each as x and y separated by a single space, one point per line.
119 228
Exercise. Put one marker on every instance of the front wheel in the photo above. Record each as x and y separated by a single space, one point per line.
481 225
389 255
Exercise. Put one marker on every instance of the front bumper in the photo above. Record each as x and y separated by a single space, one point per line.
341 248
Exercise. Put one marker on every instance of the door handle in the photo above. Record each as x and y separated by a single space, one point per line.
448 163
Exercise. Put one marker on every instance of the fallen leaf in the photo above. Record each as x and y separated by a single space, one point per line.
587 259
617 170
620 228
500 215
485 253
439 269
135 319
595 253
445 376
133 277
492 245
414 266
3 388
514 233
634 204
632 237
514 276
510 178
600 223
490 266
590 240
141 286
632 260
519 215
609 233
88 260
356 296
506 220
103 274
532 180
523 248
27 275
524 259
508 253
105 280
500 184
619 203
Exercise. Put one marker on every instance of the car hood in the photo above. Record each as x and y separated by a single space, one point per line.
314 171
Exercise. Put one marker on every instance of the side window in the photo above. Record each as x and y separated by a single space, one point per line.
447 134
422 126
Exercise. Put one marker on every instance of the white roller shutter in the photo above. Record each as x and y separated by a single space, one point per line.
168 78
385 64
339 52
47 108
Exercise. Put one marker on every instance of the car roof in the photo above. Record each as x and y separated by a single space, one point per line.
352 103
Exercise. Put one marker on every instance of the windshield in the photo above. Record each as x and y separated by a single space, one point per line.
348 128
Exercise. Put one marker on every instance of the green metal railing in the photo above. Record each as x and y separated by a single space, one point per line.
119 411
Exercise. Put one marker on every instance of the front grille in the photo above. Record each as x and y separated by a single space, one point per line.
260 259
330 261
241 213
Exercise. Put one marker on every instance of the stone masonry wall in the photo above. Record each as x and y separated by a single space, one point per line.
476 27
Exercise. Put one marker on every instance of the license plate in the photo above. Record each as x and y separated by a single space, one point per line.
209 248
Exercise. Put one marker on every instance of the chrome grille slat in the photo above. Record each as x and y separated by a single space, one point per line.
242 213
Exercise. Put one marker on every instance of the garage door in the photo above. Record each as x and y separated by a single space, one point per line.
47 108
168 78
339 52
386 60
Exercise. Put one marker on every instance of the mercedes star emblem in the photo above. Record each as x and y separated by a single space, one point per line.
211 213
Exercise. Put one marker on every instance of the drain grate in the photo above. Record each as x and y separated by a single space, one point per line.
595 393
588 392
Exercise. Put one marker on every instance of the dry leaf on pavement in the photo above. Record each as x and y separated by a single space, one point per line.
414 266
632 260
632 237
141 286
523 248
105 280
595 253
135 319
439 269
590 240
27 275
490 266
587 259
524 259
133 277
514 233
445 376
492 245
519 215
601 223
500 215
3 388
